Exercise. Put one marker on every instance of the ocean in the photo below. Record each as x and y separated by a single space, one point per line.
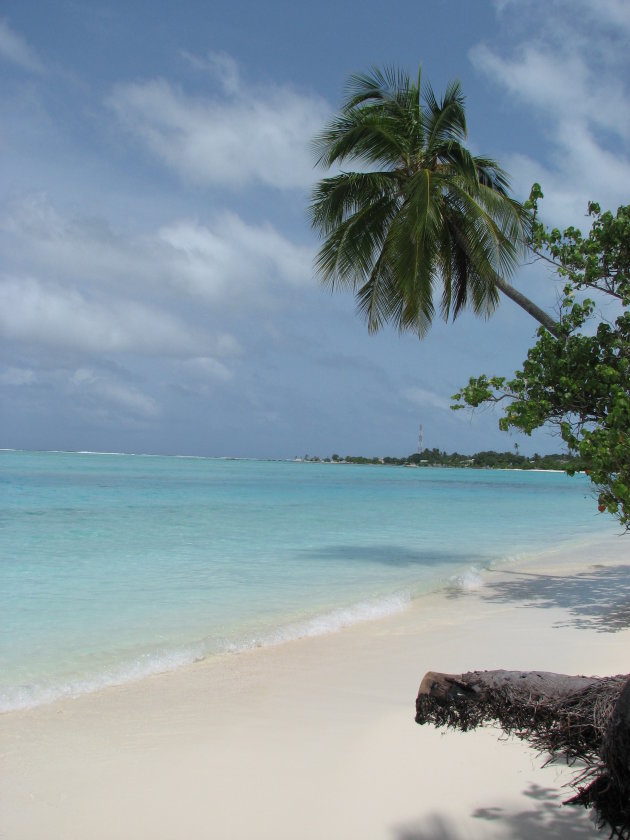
113 567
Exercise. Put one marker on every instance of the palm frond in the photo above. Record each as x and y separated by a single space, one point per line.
491 175
350 252
427 212
445 119
377 300
375 86
456 162
368 135
415 235
335 199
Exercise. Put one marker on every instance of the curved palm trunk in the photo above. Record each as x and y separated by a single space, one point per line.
529 306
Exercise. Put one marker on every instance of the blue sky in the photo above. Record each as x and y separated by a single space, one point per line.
156 284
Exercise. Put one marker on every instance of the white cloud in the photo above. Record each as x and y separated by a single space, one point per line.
84 249
118 395
234 261
611 14
75 285
583 171
425 397
50 315
223 262
571 70
617 12
18 376
83 376
222 66
559 83
15 50
226 345
565 14
247 134
205 367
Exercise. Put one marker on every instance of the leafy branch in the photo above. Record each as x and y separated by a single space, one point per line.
578 381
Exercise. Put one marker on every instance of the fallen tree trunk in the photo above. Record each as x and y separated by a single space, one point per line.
585 719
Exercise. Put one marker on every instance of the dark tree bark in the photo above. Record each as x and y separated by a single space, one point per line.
585 719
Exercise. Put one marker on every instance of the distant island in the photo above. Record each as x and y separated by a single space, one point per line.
488 459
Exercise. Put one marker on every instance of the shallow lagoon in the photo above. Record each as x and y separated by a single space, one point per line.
116 566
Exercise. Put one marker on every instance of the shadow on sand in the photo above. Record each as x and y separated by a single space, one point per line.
545 819
596 599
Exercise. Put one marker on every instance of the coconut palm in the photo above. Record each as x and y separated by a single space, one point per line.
420 209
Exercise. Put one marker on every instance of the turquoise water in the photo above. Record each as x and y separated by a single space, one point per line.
117 566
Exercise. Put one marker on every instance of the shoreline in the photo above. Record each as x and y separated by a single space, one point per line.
367 462
330 622
315 737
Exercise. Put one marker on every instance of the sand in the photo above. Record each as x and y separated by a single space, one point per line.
316 738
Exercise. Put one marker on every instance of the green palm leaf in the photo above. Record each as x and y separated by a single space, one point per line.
428 214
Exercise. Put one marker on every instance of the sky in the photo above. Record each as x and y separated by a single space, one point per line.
157 290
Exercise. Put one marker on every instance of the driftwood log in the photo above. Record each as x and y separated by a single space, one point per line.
581 719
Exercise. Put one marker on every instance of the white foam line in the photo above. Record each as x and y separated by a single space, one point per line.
329 622
30 696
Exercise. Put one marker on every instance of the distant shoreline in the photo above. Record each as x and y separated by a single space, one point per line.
478 461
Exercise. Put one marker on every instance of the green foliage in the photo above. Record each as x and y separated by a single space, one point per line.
480 460
600 261
421 211
360 459
579 381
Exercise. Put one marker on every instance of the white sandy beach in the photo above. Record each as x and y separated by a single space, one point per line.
316 738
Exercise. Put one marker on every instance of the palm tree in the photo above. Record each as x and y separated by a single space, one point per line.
420 209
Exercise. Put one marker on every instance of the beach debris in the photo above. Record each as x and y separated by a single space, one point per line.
584 720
